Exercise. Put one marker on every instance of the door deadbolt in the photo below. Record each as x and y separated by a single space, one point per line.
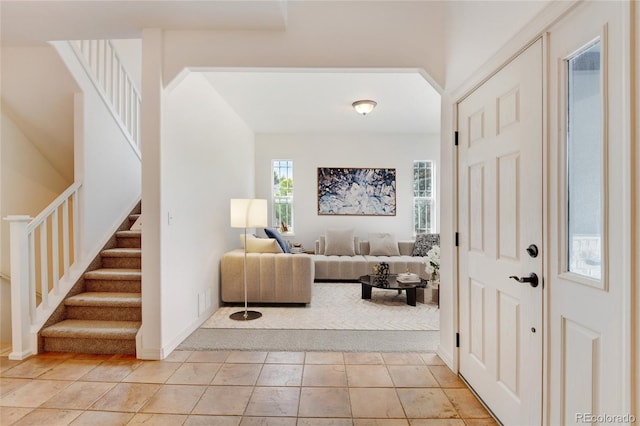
533 250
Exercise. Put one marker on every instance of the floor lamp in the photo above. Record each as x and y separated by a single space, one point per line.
247 213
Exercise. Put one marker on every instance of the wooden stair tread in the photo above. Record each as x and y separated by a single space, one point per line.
114 274
87 329
122 252
106 299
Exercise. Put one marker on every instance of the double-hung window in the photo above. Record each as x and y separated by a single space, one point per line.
282 195
423 197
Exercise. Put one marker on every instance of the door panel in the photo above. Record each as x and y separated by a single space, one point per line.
588 316
500 214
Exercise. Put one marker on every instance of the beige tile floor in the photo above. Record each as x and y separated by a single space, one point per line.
237 388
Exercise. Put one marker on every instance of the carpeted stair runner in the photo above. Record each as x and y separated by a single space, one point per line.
92 336
121 258
129 239
104 306
106 316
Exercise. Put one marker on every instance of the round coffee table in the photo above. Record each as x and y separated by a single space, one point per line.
389 282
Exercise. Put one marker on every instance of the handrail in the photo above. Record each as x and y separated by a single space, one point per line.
111 79
54 204
43 250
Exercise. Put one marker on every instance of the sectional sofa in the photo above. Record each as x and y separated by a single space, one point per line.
271 277
336 267
277 277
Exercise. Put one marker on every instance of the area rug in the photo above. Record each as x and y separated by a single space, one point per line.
337 306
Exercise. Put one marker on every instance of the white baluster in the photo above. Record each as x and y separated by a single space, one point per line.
65 236
55 251
105 78
32 277
112 77
44 263
76 225
136 134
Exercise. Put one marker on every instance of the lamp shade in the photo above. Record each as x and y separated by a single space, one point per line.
248 213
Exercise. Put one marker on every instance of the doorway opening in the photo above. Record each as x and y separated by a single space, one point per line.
306 118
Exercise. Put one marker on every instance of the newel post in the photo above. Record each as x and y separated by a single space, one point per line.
22 345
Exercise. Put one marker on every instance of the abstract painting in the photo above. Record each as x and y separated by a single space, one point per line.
356 191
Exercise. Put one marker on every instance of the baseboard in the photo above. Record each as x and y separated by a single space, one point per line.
447 358
19 356
152 354
165 350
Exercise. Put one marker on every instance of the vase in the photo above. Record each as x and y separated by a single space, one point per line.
381 269
434 280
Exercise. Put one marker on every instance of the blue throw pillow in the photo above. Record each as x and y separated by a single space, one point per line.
272 233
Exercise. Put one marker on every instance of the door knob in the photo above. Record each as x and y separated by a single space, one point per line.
532 279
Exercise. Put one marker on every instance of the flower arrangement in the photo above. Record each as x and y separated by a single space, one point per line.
433 262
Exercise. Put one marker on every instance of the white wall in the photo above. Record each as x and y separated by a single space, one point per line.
111 184
340 34
29 184
207 159
41 103
476 30
105 163
310 151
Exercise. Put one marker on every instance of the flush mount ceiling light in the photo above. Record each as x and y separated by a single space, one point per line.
364 107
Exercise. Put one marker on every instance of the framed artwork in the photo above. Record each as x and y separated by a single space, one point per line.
356 191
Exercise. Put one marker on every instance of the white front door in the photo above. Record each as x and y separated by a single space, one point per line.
589 245
500 216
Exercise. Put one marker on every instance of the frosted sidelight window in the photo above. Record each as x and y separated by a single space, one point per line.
585 162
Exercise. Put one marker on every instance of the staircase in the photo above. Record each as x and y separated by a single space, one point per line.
105 313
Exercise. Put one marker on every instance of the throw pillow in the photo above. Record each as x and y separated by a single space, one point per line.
356 245
249 237
424 242
273 233
383 244
260 245
339 242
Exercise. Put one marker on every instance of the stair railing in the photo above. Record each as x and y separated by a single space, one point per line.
103 65
43 250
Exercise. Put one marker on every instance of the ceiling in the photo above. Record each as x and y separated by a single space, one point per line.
29 22
273 101
312 101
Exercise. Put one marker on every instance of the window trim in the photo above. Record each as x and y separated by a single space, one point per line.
431 199
276 199
601 283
